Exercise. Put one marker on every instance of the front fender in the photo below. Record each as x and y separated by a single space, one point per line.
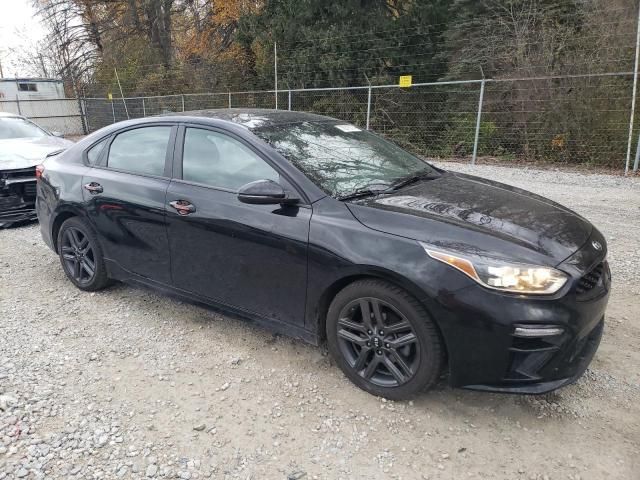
342 250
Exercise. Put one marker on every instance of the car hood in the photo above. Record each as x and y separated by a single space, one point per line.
16 153
478 216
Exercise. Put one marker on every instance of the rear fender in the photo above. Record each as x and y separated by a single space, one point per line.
62 213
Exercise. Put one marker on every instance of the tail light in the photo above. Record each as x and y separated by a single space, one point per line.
39 171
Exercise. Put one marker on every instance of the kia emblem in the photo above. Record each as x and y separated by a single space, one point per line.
597 245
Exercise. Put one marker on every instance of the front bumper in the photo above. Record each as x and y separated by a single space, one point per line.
485 352
574 363
20 215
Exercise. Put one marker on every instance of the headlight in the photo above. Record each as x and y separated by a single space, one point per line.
502 275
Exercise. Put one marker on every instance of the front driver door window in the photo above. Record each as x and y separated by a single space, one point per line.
215 159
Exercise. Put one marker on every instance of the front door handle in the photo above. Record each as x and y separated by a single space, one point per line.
93 188
183 207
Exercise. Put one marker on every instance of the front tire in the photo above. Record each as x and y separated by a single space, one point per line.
81 255
383 340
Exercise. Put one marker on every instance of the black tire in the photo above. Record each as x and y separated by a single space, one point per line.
401 369
81 255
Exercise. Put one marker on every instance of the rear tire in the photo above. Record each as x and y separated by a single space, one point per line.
81 255
383 340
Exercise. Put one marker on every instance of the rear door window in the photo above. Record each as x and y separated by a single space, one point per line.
142 150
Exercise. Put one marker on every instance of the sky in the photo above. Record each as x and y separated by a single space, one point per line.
18 28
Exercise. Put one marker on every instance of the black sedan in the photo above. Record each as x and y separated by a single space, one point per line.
324 231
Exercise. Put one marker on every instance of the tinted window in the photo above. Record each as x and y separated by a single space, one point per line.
142 150
221 161
93 154
341 158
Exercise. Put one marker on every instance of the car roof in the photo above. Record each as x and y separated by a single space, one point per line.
253 118
9 114
239 121
242 118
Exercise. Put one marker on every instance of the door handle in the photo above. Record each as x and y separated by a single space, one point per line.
93 187
183 207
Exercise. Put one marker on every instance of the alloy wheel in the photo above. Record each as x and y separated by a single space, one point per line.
378 342
78 255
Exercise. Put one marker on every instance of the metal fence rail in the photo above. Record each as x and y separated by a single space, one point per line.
565 119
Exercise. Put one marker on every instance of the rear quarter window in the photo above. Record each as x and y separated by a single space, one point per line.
93 154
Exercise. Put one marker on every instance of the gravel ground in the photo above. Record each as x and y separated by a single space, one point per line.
126 383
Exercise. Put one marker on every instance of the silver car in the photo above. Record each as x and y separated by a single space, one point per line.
23 145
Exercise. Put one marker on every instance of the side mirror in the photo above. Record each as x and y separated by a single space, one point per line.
57 134
264 192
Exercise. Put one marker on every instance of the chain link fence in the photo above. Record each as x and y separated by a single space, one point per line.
574 119
583 119
63 115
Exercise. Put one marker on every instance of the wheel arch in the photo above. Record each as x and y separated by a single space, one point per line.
390 277
60 217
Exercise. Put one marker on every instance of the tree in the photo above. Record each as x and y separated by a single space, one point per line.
554 116
511 38
348 42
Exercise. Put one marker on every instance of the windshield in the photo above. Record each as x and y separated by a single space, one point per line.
341 158
11 127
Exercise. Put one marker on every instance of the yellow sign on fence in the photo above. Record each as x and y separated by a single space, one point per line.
406 81
109 96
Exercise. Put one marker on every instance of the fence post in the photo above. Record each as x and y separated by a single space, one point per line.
633 95
144 108
113 112
477 136
289 99
368 106
126 109
83 116
182 102
18 104
275 66
229 98
635 163
86 114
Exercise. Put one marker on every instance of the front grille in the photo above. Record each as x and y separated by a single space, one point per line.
591 279
17 189
29 189
20 174
10 201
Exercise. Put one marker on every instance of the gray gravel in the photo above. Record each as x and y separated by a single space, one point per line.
129 384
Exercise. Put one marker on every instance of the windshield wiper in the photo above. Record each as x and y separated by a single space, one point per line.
367 191
413 178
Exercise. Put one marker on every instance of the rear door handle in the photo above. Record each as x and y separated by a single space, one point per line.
93 187
183 207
